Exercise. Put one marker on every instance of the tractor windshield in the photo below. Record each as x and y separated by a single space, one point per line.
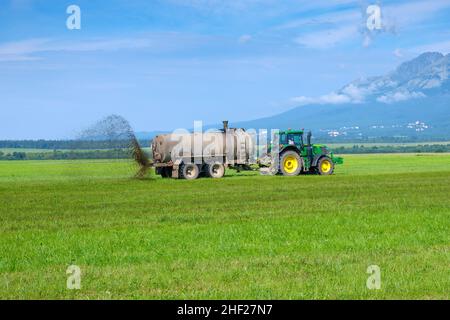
291 139
294 139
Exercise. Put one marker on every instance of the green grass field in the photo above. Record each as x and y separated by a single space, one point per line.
386 144
244 236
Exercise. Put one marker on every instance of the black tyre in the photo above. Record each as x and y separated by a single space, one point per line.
325 166
215 170
166 172
290 163
189 171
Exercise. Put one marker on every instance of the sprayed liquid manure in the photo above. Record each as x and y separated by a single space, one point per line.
117 133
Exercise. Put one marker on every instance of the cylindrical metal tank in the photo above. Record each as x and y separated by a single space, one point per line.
232 146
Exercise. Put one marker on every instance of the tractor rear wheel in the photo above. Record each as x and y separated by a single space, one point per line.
290 164
325 166
216 170
189 171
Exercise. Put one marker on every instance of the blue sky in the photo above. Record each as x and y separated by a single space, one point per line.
164 64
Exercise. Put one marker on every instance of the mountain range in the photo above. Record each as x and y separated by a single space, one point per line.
413 101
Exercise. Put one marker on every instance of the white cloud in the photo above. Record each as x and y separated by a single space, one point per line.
17 58
21 50
347 23
335 98
399 96
236 6
27 49
20 4
410 13
22 47
327 38
350 16
349 94
220 6
355 94
245 38
302 100
331 98
367 40
399 16
398 53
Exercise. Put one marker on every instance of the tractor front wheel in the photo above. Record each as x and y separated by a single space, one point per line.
290 163
325 166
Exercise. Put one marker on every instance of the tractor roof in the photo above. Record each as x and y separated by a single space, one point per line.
290 131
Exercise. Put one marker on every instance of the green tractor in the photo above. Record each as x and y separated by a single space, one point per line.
295 156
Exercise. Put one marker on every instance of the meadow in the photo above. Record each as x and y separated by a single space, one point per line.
387 144
245 236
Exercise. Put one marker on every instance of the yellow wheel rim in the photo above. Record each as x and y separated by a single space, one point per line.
290 164
325 166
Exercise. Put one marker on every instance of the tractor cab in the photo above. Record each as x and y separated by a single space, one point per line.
291 138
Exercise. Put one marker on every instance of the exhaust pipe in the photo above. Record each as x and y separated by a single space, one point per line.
225 125
309 147
308 138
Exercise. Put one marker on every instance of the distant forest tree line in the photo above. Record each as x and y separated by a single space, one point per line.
65 149
83 144
73 150
67 155
68 144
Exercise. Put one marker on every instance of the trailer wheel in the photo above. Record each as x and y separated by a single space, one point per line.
166 172
189 171
325 166
291 163
216 170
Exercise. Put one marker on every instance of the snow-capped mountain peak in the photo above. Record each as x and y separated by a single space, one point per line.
412 79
